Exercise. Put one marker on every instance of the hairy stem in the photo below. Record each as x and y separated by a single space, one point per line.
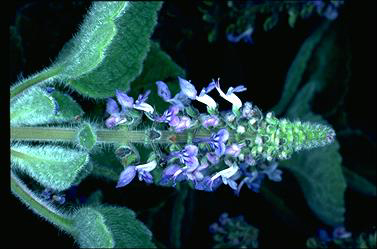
103 135
41 208
35 79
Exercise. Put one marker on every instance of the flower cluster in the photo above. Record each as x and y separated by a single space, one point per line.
233 232
234 148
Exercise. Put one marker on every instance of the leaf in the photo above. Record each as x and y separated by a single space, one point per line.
157 66
33 107
106 165
109 227
321 179
108 51
270 22
37 106
298 68
52 166
359 183
86 136
177 216
68 109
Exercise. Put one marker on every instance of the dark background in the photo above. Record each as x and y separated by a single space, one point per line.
44 27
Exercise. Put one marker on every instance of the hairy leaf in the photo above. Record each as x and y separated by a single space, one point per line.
52 166
68 109
106 164
110 227
33 107
108 51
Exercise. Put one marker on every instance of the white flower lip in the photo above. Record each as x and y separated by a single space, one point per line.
206 99
230 96
148 166
144 107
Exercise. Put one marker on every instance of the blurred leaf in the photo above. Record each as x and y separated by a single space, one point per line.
177 216
157 66
359 183
298 68
52 166
108 51
110 227
270 22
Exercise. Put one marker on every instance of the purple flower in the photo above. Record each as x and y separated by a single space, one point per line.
180 99
127 175
170 173
128 102
253 182
340 232
183 124
115 116
224 176
163 90
233 150
189 90
187 155
245 36
210 120
331 12
273 173
217 141
170 116
143 171
213 158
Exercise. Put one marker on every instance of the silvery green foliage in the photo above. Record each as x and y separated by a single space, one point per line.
111 41
40 106
110 227
54 167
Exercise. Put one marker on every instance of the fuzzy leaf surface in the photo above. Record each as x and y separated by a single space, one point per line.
108 51
52 166
33 107
110 227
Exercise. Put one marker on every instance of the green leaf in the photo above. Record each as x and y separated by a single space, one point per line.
106 165
33 107
86 136
157 66
110 227
177 216
52 166
298 68
69 110
320 176
359 183
270 22
108 51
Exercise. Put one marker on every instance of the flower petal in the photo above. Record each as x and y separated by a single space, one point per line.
127 175
123 99
112 107
163 90
187 88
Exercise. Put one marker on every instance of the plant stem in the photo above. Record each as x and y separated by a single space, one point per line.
103 135
35 79
39 206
